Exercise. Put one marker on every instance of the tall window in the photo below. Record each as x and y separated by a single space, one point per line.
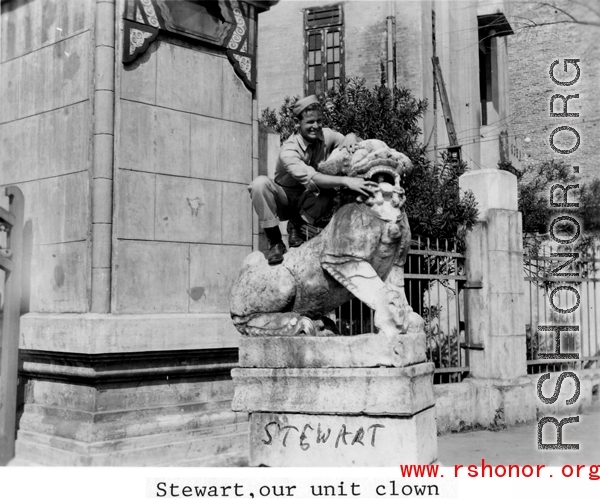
487 77
324 48
492 68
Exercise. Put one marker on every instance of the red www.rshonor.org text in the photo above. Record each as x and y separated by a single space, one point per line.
485 470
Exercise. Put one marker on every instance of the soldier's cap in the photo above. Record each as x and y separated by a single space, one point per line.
302 104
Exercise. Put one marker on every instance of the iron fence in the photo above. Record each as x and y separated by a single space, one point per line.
542 288
434 278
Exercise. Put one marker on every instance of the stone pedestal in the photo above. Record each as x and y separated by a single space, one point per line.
309 408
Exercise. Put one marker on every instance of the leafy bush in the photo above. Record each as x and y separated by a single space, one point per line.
534 183
434 206
589 197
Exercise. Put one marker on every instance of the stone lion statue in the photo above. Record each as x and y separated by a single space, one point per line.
360 253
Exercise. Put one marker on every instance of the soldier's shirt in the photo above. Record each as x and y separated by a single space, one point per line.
298 159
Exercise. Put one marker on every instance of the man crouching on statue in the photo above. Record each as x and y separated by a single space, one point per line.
299 193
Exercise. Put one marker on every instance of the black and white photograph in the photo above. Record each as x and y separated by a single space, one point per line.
299 248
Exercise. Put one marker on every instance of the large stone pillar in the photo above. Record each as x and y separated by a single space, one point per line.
134 174
337 401
495 302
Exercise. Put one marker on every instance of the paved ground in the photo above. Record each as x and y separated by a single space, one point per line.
518 445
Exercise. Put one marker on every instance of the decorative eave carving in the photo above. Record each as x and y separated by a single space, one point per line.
138 38
230 24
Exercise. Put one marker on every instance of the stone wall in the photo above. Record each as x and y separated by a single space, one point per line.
45 133
183 220
183 161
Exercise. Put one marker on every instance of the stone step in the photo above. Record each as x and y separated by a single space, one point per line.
219 447
96 436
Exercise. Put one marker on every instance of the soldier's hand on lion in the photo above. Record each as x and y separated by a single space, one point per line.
360 185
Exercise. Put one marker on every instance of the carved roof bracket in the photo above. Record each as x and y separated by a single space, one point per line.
229 24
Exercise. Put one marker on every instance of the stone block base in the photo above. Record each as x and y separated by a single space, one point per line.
341 440
196 439
162 420
103 402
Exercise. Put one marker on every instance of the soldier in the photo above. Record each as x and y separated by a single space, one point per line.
299 193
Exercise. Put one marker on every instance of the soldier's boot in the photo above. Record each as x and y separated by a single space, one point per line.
295 238
276 247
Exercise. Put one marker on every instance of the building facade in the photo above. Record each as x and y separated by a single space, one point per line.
309 45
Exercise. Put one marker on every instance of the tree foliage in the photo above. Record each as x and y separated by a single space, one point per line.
434 205
535 186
